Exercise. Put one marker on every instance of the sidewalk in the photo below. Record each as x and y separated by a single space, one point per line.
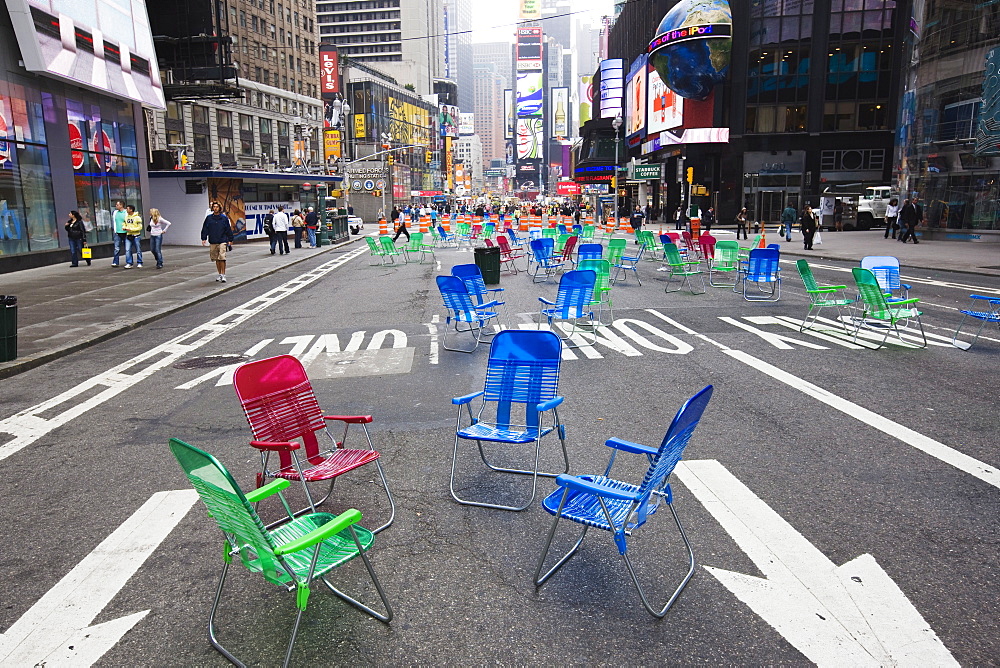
61 309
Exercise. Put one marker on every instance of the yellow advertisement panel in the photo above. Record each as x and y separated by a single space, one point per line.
531 10
331 145
359 126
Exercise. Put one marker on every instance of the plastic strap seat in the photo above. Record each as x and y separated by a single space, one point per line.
984 309
462 309
820 297
876 307
682 269
762 269
576 294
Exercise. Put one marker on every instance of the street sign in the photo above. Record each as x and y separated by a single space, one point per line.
369 185
495 171
647 172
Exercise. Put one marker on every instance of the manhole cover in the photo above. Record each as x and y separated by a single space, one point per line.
210 361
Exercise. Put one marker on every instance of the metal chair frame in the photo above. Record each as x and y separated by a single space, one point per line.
602 287
417 245
629 263
623 508
472 276
681 269
726 261
761 267
375 250
875 305
984 309
542 256
820 297
514 377
575 295
389 248
462 309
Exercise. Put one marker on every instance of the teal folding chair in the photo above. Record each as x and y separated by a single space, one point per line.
821 296
877 310
293 555
622 508
572 304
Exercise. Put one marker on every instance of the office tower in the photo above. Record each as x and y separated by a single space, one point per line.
497 54
459 61
489 123
405 40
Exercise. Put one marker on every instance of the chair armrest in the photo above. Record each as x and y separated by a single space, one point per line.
488 305
275 445
350 419
914 300
546 301
906 285
629 446
319 534
458 401
573 482
267 490
825 290
992 300
549 405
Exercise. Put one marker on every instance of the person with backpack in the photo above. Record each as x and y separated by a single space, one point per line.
788 220
269 229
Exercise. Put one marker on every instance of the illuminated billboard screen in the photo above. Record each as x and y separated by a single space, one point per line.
508 114
560 113
612 78
529 138
635 98
665 110
529 94
529 49
103 45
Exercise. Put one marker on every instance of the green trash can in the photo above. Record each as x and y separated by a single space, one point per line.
8 328
488 261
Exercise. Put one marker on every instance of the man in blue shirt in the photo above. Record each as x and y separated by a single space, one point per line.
218 233
119 217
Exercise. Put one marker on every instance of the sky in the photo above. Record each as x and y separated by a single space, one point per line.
493 20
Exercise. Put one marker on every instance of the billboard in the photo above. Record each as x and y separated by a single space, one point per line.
508 114
466 124
102 45
586 99
612 80
665 108
635 98
529 94
449 120
560 115
529 49
529 138
329 72
531 10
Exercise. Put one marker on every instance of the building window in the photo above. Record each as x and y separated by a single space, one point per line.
246 147
779 118
199 114
226 145
958 121
225 118
174 111
246 122
265 126
282 129
202 146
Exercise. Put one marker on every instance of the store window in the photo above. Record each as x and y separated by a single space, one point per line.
282 129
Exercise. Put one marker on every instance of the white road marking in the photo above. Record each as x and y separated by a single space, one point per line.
27 426
852 615
56 630
432 356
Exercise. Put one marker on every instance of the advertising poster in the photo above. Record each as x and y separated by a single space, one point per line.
329 75
508 114
560 113
665 108
529 94
529 138
449 120
229 194
331 145
635 98
466 124
612 83
531 10
586 98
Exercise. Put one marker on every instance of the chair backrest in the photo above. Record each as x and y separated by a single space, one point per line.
672 237
441 231
707 244
672 255
727 255
587 232
686 236
870 291
762 265
576 290
373 246
567 251
489 244
504 245
806 274
472 276
590 252
602 269
616 248
231 511
279 403
885 268
561 242
388 246
542 249
455 294
562 229
669 453
523 368
416 239
776 247
550 232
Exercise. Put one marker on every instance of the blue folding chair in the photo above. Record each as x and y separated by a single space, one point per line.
629 263
463 309
886 270
762 269
621 508
586 252
522 383
447 238
984 309
573 301
472 276
542 256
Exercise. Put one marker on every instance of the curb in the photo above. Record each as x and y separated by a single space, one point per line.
20 365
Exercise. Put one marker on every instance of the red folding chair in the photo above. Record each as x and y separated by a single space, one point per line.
507 253
706 242
280 406
567 251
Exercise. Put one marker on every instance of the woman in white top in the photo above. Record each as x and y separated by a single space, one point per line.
156 227
891 216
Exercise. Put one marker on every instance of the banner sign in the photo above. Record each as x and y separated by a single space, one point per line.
329 73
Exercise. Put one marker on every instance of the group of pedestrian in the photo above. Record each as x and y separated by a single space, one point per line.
128 227
303 225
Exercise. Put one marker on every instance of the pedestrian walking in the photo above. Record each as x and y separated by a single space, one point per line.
298 226
708 219
741 223
401 229
119 238
808 224
637 220
838 216
269 229
217 232
312 224
891 218
76 232
910 216
280 222
133 236
156 227
679 218
788 217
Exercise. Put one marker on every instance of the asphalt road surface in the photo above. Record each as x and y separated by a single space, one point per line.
842 501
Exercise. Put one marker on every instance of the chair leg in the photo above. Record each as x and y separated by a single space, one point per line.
482 504
211 621
291 642
677 592
385 483
539 578
387 617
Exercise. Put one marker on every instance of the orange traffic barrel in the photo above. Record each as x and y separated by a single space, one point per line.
383 227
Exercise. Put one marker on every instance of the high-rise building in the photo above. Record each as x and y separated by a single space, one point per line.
405 38
587 49
497 54
489 121
469 150
458 60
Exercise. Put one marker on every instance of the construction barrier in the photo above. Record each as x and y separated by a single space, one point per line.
383 227
425 224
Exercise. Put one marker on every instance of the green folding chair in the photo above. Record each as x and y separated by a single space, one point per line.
375 250
653 248
389 249
683 270
417 245
725 262
293 555
616 248
602 287
874 306
821 296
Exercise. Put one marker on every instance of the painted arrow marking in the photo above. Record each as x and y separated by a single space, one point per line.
56 630
851 615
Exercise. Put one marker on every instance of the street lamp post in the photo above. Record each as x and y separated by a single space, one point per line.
617 125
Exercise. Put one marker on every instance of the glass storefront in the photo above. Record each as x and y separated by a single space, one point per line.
28 219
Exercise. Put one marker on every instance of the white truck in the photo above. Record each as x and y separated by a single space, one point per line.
872 205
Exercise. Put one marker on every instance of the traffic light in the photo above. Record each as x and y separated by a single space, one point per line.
690 174
391 159
376 193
